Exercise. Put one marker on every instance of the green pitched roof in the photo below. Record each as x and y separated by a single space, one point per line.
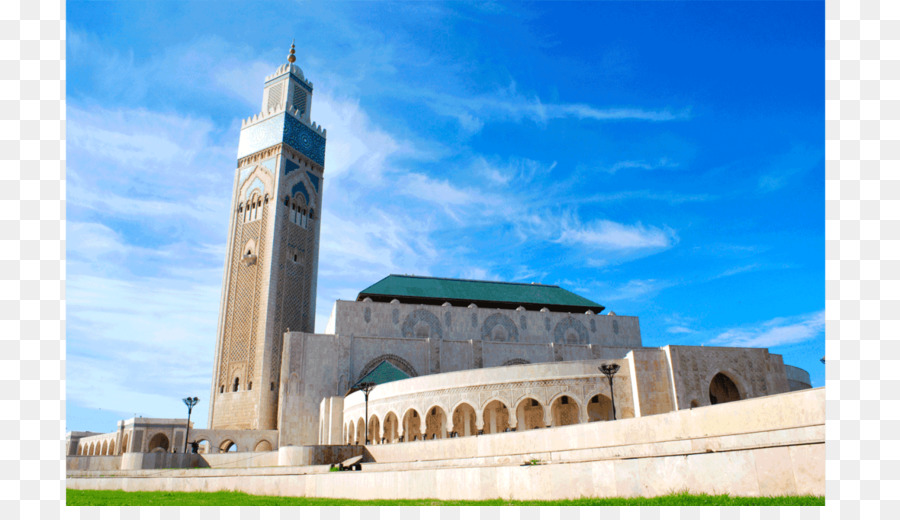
385 372
422 289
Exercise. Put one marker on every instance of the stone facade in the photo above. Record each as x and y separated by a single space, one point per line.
765 446
474 372
136 435
425 340
415 339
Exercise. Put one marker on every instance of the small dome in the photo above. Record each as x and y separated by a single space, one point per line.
295 70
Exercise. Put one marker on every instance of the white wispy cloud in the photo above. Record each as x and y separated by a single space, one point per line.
356 145
661 196
636 289
518 170
507 103
774 333
137 344
371 247
606 235
438 192
642 164
677 329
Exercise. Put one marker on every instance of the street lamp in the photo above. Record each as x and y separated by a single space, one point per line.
366 387
190 402
609 371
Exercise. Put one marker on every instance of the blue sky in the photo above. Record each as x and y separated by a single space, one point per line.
663 159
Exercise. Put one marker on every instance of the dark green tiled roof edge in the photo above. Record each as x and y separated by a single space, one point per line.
421 287
385 372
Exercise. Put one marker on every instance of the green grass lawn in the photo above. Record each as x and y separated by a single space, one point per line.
77 497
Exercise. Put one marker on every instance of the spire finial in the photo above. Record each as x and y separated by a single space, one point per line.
291 57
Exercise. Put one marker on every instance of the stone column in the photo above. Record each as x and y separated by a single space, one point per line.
548 419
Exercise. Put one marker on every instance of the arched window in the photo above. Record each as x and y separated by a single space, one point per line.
250 385
723 390
159 443
237 381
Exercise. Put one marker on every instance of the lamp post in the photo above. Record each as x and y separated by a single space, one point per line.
190 402
366 387
609 371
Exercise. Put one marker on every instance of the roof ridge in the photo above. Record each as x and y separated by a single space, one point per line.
532 284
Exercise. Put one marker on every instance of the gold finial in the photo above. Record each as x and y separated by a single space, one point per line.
291 57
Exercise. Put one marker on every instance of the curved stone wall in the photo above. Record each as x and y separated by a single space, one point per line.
798 379
487 401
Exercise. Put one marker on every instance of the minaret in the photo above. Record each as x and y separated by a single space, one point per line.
271 263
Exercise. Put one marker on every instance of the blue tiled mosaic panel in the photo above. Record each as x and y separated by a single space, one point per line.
269 164
314 180
282 127
290 166
244 174
301 138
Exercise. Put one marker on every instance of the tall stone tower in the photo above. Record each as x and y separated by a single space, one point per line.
271 263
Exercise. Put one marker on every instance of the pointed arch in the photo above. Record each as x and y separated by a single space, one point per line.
569 330
395 360
516 361
391 427
412 424
374 429
498 327
293 385
599 408
496 415
436 422
159 442
425 318
565 409
723 389
530 413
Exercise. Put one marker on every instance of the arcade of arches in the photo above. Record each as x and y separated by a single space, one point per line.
404 418
465 421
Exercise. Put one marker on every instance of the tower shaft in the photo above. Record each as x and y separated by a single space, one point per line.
271 264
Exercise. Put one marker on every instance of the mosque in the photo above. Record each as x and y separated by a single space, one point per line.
413 358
